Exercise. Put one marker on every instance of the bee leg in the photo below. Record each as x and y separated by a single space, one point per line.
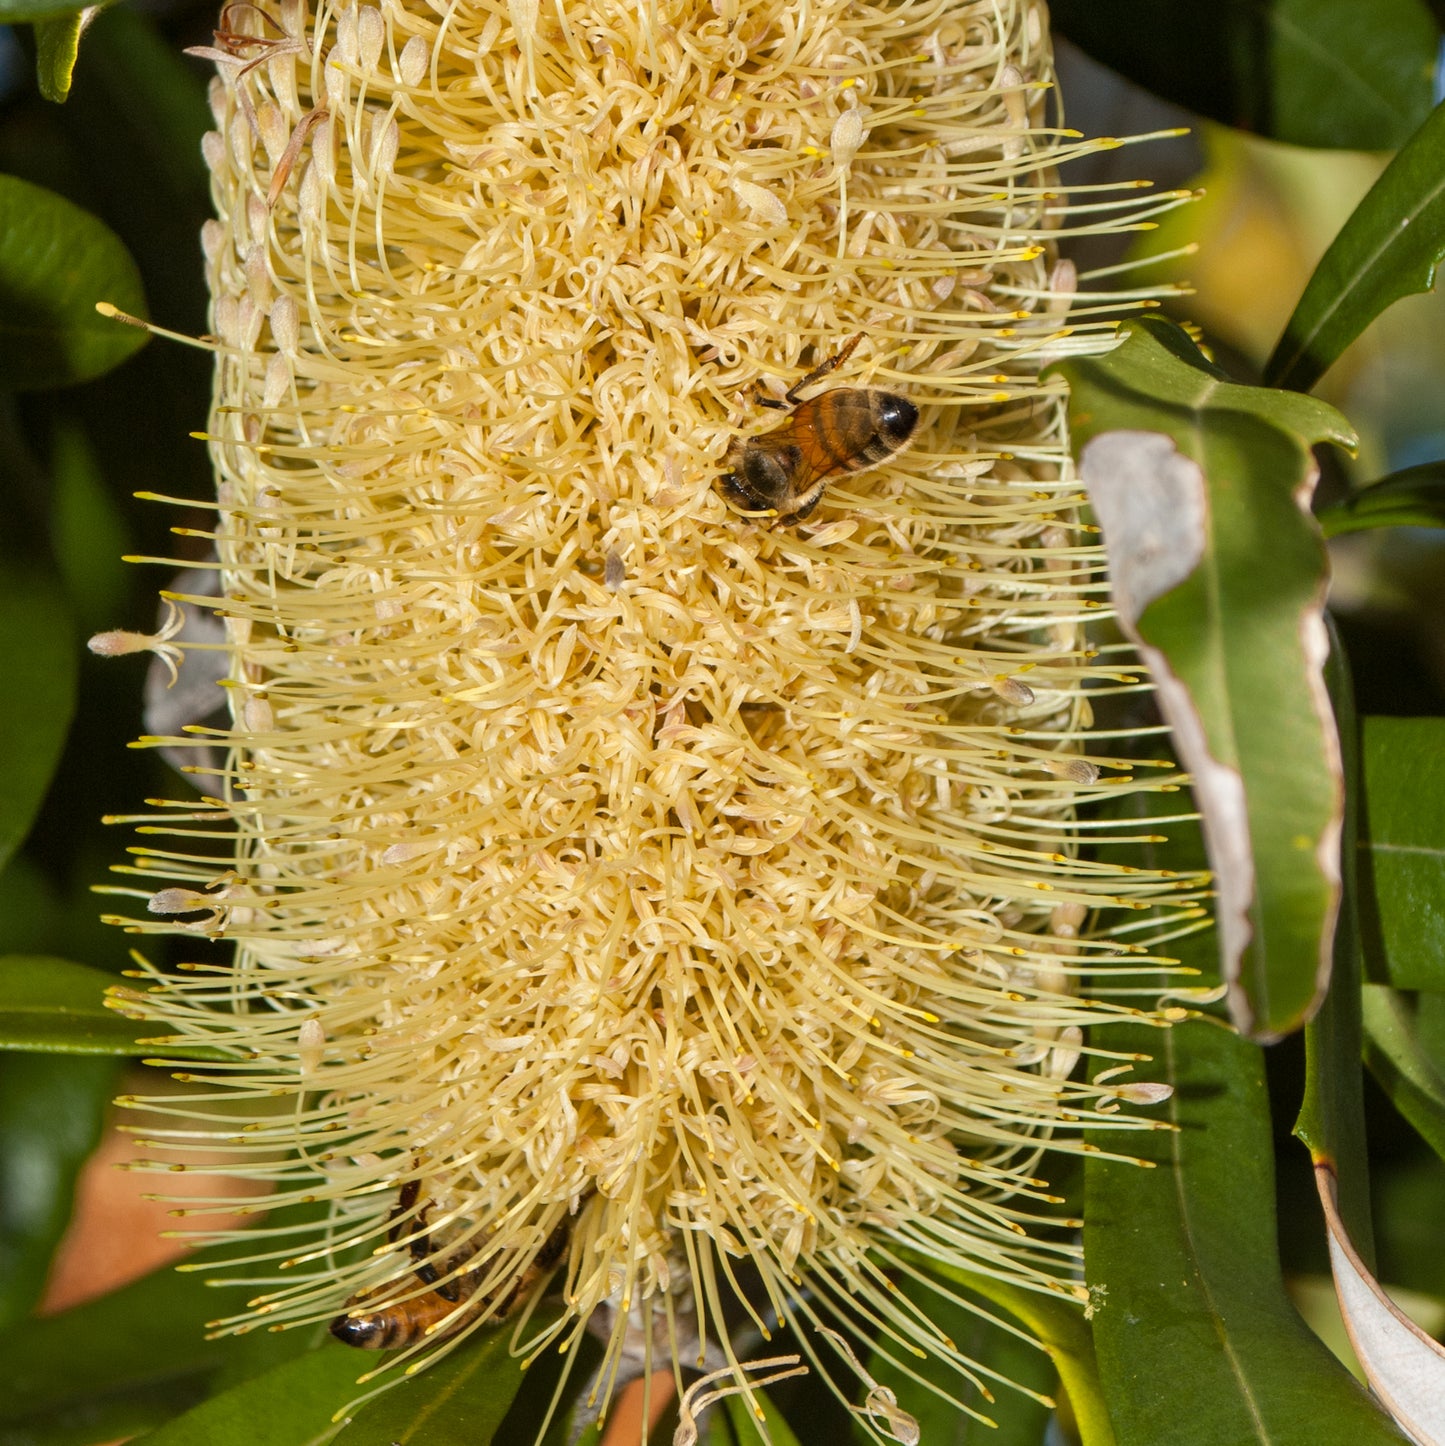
803 513
420 1246
822 370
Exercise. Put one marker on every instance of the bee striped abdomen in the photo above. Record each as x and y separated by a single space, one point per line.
856 427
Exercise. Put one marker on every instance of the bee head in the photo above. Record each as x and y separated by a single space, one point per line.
367 1331
896 417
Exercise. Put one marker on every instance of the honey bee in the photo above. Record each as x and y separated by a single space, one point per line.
405 1322
783 472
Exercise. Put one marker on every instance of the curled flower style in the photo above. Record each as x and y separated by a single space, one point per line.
619 878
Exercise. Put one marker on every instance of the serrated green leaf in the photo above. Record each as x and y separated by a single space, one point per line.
1219 574
57 43
1312 72
289 1405
1184 1257
1412 497
56 262
56 1005
38 663
1388 248
1402 852
51 1113
1401 1063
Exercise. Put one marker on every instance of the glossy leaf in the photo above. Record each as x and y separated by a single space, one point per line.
1198 1343
1413 497
1407 1070
51 1113
38 651
1402 857
1059 1327
1388 248
56 262
460 1401
57 1005
1218 574
289 1405
1331 1121
57 43
1001 1355
733 1424
144 1351
1311 72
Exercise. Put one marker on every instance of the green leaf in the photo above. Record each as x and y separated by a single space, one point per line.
1183 1257
88 531
1059 1327
51 1113
1402 852
733 1424
145 1353
58 1006
19 12
1331 1121
31 913
1407 1069
289 1405
459 1401
143 1343
1219 574
1312 72
56 262
57 43
38 663
1388 248
1412 497
1002 1356
1410 1222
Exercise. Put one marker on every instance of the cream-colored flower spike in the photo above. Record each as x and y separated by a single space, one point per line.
614 870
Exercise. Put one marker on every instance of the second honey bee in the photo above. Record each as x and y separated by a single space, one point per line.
390 1325
783 472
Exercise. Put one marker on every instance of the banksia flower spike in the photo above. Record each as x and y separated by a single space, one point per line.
625 883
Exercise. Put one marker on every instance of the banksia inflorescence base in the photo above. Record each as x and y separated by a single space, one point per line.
612 869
